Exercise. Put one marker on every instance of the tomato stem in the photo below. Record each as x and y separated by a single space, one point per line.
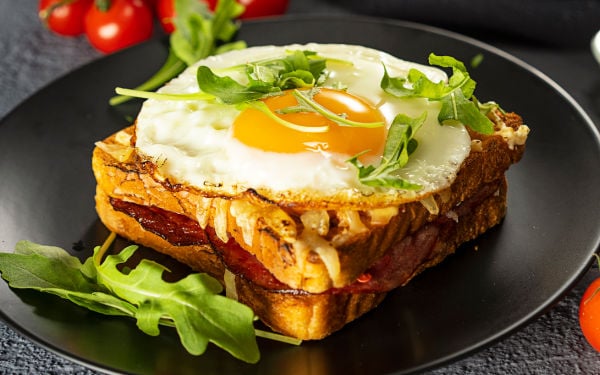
45 14
102 5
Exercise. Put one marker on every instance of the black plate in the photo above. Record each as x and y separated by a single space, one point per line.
475 297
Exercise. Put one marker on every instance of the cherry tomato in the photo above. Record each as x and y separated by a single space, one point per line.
253 9
165 10
151 3
123 24
589 314
263 8
64 17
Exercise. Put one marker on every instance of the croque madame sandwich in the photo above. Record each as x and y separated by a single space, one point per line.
310 179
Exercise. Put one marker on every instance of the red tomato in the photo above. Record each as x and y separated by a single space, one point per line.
165 10
125 23
64 17
263 8
589 314
212 4
254 8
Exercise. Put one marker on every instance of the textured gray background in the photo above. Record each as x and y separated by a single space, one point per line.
31 57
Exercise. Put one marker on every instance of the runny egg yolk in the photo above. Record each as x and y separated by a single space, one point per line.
255 129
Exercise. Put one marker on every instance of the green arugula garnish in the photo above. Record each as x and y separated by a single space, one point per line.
298 69
476 60
306 103
134 93
193 305
228 90
398 147
261 106
52 270
456 95
198 31
198 34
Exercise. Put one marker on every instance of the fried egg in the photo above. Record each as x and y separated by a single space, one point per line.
211 145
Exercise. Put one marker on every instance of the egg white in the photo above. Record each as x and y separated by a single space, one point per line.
191 143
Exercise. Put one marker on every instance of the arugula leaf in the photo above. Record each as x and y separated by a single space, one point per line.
261 106
309 63
456 108
52 270
197 30
298 69
476 60
460 78
455 95
398 146
230 91
192 305
163 95
306 103
199 33
192 30
296 79
416 84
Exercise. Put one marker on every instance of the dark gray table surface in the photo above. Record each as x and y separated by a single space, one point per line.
31 57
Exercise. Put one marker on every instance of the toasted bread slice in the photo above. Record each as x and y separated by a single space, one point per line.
309 245
306 269
298 313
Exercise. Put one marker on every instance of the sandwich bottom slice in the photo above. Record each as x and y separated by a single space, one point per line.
133 201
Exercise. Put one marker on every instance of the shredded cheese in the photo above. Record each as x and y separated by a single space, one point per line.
310 241
352 226
476 145
514 137
316 224
119 152
316 220
351 219
330 258
203 211
431 205
123 138
221 207
382 216
245 218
